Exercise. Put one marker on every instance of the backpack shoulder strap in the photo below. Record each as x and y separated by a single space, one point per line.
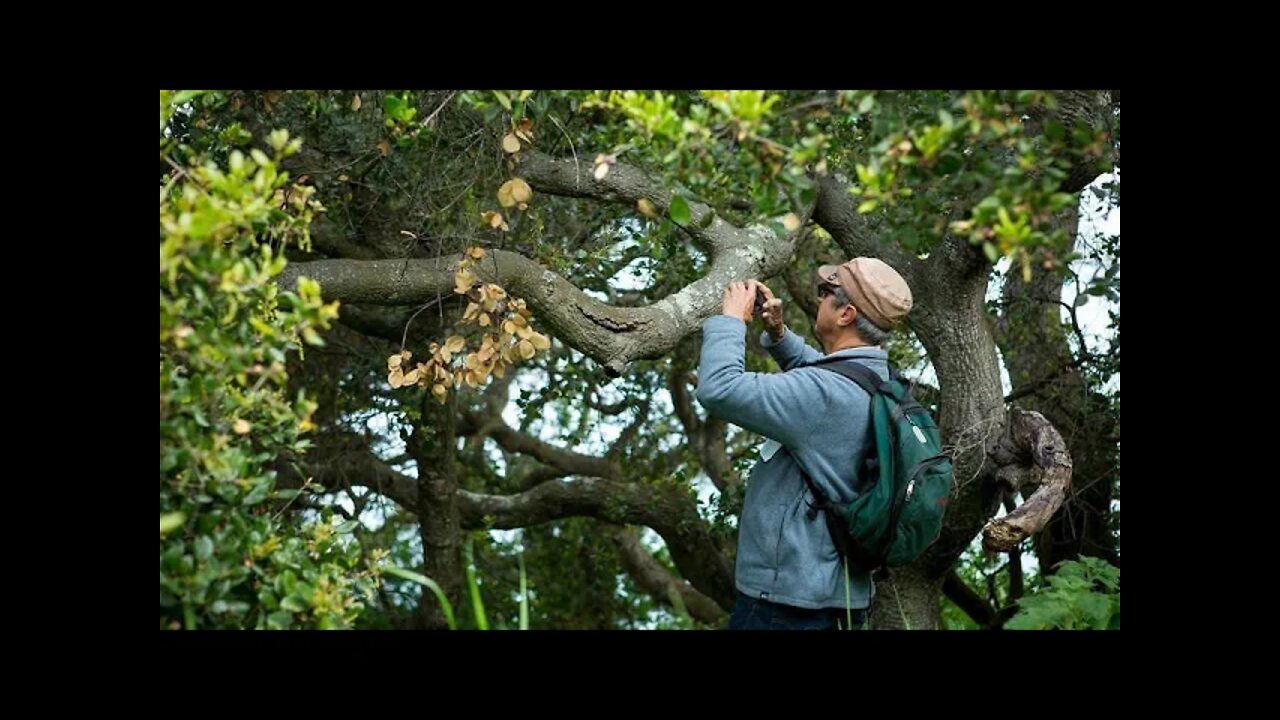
864 376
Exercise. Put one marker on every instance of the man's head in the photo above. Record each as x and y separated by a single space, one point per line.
859 302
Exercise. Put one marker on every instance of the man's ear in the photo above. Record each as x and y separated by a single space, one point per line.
847 314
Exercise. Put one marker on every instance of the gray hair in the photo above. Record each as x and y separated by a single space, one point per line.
867 330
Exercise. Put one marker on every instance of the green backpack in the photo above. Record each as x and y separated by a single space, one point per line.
904 482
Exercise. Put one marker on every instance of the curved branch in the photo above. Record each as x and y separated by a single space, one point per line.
1032 441
672 514
660 582
611 336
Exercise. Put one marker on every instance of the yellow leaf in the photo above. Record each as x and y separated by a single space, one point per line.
511 144
394 378
524 331
484 320
504 194
478 252
472 361
646 208
384 147
520 190
540 341
412 377
525 136
355 102
791 222
526 349
445 355
394 361
241 426
440 392
522 206
406 354
472 311
463 280
509 327
457 378
525 126
500 370
601 170
455 343
492 219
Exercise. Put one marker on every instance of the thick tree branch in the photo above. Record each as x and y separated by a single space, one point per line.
836 211
1030 440
672 514
610 335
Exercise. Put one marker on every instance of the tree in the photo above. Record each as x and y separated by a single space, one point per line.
468 228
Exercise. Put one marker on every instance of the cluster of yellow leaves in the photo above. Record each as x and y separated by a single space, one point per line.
514 192
508 339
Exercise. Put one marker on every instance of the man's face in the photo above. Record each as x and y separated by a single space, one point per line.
825 325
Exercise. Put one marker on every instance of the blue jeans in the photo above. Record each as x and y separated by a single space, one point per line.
755 614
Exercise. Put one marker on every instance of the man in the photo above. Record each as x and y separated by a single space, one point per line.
788 574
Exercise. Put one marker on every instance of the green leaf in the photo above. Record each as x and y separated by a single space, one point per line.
1096 609
429 584
867 103
279 621
524 595
992 253
707 219
293 603
477 605
170 522
347 527
257 495
503 99
680 213
867 206
203 548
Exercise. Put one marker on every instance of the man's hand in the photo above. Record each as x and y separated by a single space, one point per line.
772 314
740 299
